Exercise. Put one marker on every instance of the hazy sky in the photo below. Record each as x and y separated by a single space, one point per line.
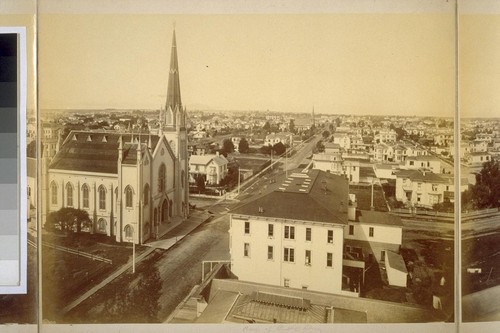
338 62
479 70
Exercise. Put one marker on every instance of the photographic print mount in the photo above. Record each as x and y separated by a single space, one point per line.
13 160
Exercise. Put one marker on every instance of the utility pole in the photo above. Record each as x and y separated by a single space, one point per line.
133 256
239 179
271 157
371 206
286 162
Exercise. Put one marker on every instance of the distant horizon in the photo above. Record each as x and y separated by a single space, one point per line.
243 111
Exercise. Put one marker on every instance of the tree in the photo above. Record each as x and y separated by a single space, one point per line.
291 126
320 146
227 146
231 178
326 134
267 126
243 146
265 149
486 192
279 148
200 182
67 219
446 206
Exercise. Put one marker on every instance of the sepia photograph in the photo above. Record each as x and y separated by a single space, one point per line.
267 166
479 160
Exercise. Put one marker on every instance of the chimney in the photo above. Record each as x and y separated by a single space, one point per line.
351 209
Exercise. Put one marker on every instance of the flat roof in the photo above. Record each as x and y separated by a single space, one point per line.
312 196
369 217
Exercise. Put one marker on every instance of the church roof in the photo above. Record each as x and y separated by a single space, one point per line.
97 151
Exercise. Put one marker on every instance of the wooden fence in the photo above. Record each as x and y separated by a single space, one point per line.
78 253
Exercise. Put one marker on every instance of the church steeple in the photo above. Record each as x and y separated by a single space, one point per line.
174 104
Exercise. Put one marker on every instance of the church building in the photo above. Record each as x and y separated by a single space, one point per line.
131 184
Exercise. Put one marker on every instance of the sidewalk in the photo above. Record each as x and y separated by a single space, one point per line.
178 230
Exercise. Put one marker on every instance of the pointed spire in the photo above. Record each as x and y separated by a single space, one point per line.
139 151
120 148
174 89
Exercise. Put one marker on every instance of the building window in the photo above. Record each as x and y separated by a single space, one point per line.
102 197
289 232
270 230
329 259
161 178
351 230
129 232
85 194
434 187
330 236
286 283
101 225
247 227
146 195
419 186
371 231
246 250
289 255
308 257
308 234
69 195
128 197
270 253
53 193
382 256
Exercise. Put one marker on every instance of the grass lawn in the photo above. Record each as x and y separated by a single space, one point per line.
66 275
364 194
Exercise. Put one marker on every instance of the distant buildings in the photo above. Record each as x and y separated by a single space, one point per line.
425 188
286 138
334 163
212 167
385 135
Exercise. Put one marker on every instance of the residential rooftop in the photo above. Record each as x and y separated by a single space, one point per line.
313 196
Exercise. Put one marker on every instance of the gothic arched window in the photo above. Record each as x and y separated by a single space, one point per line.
146 194
85 195
69 194
53 193
161 178
102 197
128 197
129 231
